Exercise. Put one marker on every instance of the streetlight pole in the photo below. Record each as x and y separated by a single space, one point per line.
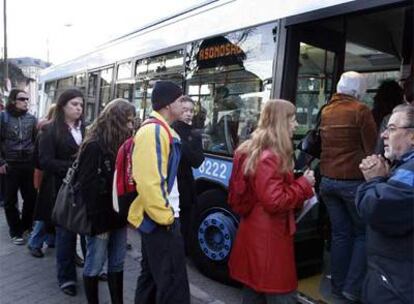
6 64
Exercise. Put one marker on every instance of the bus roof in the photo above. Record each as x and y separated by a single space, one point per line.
206 20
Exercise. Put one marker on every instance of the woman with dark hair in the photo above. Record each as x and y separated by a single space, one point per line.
95 174
388 96
58 145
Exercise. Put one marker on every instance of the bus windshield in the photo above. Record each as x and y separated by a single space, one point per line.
229 77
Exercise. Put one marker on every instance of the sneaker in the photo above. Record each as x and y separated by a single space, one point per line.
18 240
36 252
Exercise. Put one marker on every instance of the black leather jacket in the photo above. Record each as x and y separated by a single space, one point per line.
17 137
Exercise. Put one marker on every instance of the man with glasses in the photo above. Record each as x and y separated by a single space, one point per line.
386 203
17 138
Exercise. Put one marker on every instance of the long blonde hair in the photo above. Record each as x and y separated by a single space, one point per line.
272 133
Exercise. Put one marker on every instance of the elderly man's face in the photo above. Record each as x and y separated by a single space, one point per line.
398 137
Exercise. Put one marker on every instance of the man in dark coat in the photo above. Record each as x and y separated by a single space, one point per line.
386 203
17 139
192 157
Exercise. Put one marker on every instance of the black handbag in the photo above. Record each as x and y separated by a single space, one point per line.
311 144
69 211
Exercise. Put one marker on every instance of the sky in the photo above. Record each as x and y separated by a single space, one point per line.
59 30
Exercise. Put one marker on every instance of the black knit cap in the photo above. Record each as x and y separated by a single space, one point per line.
164 93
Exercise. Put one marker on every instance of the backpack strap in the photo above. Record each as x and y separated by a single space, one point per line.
159 122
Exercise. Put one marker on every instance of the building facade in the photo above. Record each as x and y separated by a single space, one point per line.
31 68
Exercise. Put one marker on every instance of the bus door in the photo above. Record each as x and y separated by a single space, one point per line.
124 84
99 93
91 97
314 63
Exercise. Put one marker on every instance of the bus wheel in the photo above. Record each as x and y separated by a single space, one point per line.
213 232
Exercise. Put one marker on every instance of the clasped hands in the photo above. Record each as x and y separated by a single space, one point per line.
374 166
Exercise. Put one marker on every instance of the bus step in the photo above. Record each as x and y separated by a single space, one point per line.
303 299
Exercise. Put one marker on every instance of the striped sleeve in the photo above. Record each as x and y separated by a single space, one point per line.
149 163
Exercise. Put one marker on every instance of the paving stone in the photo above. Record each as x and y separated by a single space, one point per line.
28 280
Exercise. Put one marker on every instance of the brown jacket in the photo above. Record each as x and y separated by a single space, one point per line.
348 134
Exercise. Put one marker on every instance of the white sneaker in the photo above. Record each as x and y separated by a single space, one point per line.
18 240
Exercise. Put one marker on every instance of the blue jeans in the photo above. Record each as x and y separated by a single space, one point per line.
39 236
348 252
111 245
65 257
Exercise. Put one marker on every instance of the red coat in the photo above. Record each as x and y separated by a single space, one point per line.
262 256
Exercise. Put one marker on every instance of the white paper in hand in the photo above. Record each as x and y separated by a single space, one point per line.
307 206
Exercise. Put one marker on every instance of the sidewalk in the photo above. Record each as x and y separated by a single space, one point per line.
28 280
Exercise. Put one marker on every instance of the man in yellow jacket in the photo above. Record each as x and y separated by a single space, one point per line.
155 212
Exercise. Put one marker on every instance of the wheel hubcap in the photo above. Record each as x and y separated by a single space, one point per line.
216 234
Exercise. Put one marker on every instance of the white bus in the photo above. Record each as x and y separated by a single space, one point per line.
231 56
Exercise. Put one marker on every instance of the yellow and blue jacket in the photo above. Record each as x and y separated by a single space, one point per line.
154 168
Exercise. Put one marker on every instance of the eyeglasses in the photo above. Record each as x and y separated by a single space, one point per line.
22 99
392 129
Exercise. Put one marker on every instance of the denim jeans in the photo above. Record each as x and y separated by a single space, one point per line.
65 257
109 245
348 252
39 236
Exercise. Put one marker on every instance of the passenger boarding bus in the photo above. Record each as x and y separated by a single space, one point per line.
231 56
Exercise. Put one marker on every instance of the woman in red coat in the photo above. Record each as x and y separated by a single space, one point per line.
264 192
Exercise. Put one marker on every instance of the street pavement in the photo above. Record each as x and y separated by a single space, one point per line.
28 280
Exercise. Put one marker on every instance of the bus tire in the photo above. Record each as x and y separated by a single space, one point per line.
213 231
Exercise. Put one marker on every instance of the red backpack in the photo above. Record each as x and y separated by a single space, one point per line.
238 197
124 190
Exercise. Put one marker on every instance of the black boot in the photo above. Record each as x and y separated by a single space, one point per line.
116 283
91 289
